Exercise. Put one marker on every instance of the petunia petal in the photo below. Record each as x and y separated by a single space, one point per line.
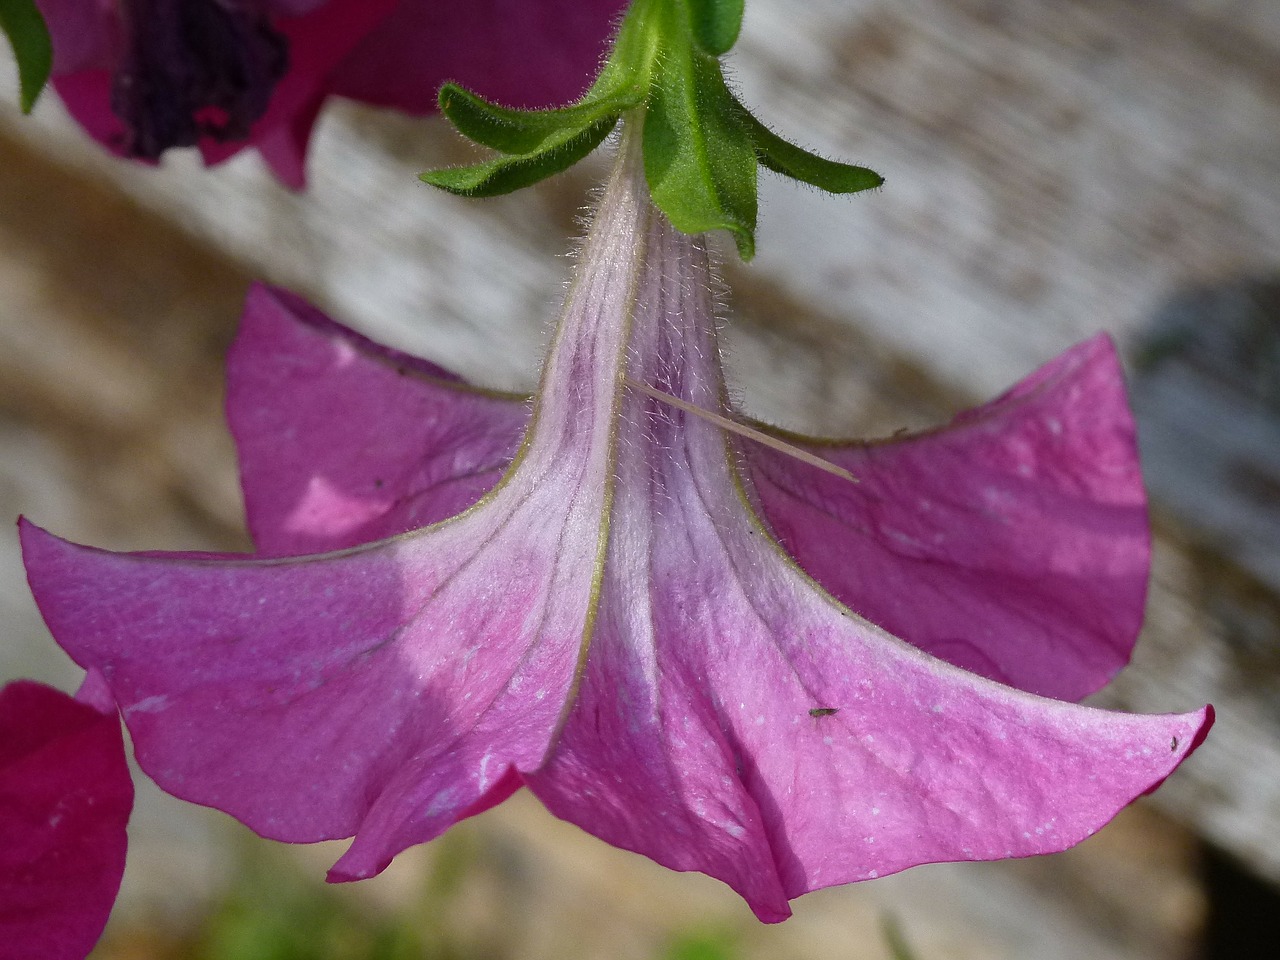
388 690
65 798
85 33
318 42
390 53
735 719
342 441
1013 543
484 45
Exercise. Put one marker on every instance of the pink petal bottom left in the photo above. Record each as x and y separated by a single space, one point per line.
65 798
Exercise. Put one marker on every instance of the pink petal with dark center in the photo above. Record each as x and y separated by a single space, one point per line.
392 53
317 43
65 798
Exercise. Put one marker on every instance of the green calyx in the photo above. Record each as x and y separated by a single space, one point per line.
25 27
702 147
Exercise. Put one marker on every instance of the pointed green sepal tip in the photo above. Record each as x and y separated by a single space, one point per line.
716 23
784 157
702 147
505 174
32 48
700 166
530 131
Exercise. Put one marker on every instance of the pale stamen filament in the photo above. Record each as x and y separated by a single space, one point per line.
733 426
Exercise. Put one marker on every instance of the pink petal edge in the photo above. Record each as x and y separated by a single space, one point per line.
378 442
65 799
1013 542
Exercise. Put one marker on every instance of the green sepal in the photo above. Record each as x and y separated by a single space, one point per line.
529 131
784 157
504 174
702 148
698 161
715 23
32 48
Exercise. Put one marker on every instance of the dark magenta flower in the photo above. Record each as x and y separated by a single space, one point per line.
612 618
65 798
142 76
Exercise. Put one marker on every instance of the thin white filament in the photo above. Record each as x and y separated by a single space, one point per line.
742 429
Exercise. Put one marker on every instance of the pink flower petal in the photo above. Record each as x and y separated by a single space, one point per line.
729 715
1013 543
737 720
384 691
486 46
372 693
391 53
87 96
65 797
342 441
85 33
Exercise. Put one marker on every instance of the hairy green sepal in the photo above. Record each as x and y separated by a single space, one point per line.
702 147
701 170
716 23
32 48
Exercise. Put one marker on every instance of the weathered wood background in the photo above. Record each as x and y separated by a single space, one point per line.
1054 168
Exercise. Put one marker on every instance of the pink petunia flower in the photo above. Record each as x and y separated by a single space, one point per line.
142 76
612 619
1013 543
65 798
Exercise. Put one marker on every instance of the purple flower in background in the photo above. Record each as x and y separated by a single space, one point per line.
606 613
142 76
65 798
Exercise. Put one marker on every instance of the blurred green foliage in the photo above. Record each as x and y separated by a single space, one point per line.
898 947
473 898
703 946
277 908
275 913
